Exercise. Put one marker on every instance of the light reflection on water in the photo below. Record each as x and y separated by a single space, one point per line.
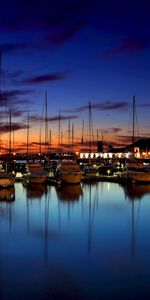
76 242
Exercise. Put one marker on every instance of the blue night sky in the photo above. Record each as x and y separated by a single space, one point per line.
78 52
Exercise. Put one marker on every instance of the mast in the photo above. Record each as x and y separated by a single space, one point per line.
133 128
59 134
46 124
10 133
50 140
82 140
90 129
72 143
69 135
27 135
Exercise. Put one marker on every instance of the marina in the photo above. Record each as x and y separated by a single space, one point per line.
74 150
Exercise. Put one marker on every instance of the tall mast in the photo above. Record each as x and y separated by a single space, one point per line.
10 133
90 126
82 140
46 124
68 135
133 129
59 134
27 135
72 143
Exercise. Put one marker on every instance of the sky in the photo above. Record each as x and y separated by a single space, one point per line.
73 53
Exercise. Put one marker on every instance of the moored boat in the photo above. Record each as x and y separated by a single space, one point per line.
35 173
6 180
69 172
90 173
136 171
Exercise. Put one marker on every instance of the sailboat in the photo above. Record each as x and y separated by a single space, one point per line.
68 171
90 170
135 170
35 172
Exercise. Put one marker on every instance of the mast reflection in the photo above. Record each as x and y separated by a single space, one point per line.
135 193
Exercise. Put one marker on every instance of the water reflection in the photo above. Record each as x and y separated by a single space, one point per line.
136 191
92 197
35 191
7 198
70 192
7 194
87 255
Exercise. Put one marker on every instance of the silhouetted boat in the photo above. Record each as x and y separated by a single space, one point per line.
35 173
6 180
69 171
90 170
90 173
136 171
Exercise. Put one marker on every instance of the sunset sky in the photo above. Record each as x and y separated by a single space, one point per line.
76 51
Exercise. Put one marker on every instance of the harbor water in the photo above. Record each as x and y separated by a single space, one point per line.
88 241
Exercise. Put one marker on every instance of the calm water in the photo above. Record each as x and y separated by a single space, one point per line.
83 242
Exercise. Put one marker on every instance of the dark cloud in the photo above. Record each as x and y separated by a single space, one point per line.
127 46
103 106
37 118
17 113
5 127
63 118
13 112
65 35
112 130
45 78
8 98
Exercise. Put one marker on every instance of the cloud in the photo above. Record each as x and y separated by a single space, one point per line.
112 130
102 106
45 78
37 118
127 46
8 98
63 118
5 127
64 35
